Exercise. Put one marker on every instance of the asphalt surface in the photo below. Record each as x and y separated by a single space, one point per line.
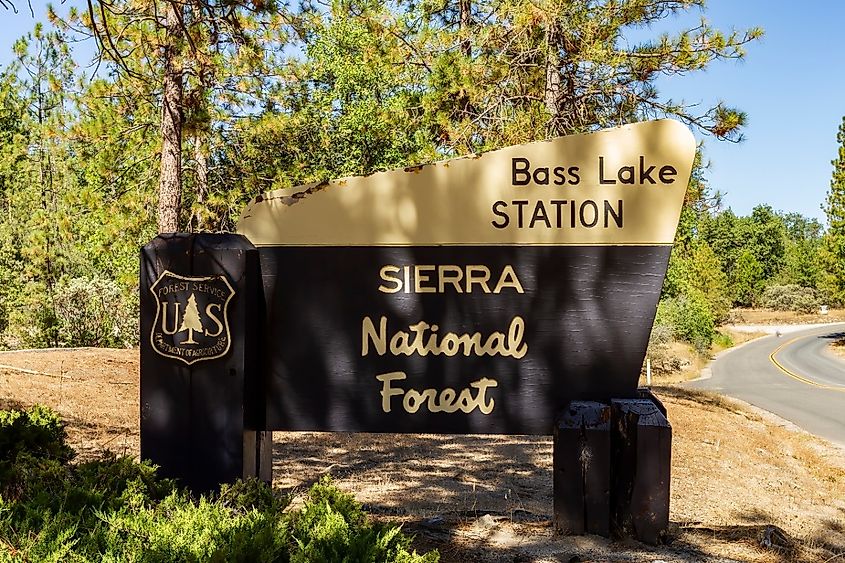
792 376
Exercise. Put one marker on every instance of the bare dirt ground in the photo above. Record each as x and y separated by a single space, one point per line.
745 486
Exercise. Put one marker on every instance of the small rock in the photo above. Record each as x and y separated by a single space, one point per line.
486 522
775 537
433 522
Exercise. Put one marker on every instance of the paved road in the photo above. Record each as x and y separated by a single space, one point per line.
792 376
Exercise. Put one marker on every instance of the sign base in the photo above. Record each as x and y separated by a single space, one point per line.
612 467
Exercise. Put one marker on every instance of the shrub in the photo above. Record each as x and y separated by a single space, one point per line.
94 312
37 431
689 318
790 297
78 311
663 361
114 509
333 527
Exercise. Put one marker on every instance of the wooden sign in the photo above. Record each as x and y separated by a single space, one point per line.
476 295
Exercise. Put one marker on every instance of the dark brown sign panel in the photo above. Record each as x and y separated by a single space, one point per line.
477 295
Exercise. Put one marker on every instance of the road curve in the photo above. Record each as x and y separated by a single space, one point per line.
792 376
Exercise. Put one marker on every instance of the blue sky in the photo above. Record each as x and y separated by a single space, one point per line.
791 84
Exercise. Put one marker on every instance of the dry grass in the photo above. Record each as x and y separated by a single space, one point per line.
838 347
767 316
739 476
685 363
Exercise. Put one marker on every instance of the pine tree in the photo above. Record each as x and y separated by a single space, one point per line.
834 248
191 319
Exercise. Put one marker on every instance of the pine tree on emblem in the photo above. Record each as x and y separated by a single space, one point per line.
191 320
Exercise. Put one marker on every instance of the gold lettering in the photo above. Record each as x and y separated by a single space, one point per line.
423 338
516 332
412 400
368 332
385 275
455 279
215 319
420 277
467 400
450 344
164 307
482 385
386 391
508 279
399 344
481 279
447 402
430 278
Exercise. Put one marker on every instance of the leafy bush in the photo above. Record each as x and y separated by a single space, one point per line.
723 340
663 361
78 311
791 297
94 312
37 431
333 527
114 509
689 318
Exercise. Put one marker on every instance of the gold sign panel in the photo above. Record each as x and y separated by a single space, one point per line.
621 186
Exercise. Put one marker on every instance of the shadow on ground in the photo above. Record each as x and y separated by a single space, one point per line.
489 498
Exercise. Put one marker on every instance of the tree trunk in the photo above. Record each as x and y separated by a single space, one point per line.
465 7
201 159
170 181
553 87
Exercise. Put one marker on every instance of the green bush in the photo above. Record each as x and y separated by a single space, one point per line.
690 319
723 340
81 311
114 509
791 297
333 527
94 312
37 431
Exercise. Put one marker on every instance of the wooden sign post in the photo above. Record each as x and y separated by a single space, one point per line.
200 324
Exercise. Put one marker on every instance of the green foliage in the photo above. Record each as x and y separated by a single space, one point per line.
833 253
115 509
333 527
698 270
747 278
659 352
762 249
94 312
791 298
37 431
723 340
689 318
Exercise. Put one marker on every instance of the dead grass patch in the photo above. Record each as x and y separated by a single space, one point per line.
772 317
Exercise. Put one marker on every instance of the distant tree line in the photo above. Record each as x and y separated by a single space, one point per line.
777 260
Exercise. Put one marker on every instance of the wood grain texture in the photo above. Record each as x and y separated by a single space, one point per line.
587 313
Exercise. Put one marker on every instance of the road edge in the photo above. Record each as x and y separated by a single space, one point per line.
706 372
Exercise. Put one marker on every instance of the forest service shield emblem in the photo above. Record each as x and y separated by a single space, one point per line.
191 322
